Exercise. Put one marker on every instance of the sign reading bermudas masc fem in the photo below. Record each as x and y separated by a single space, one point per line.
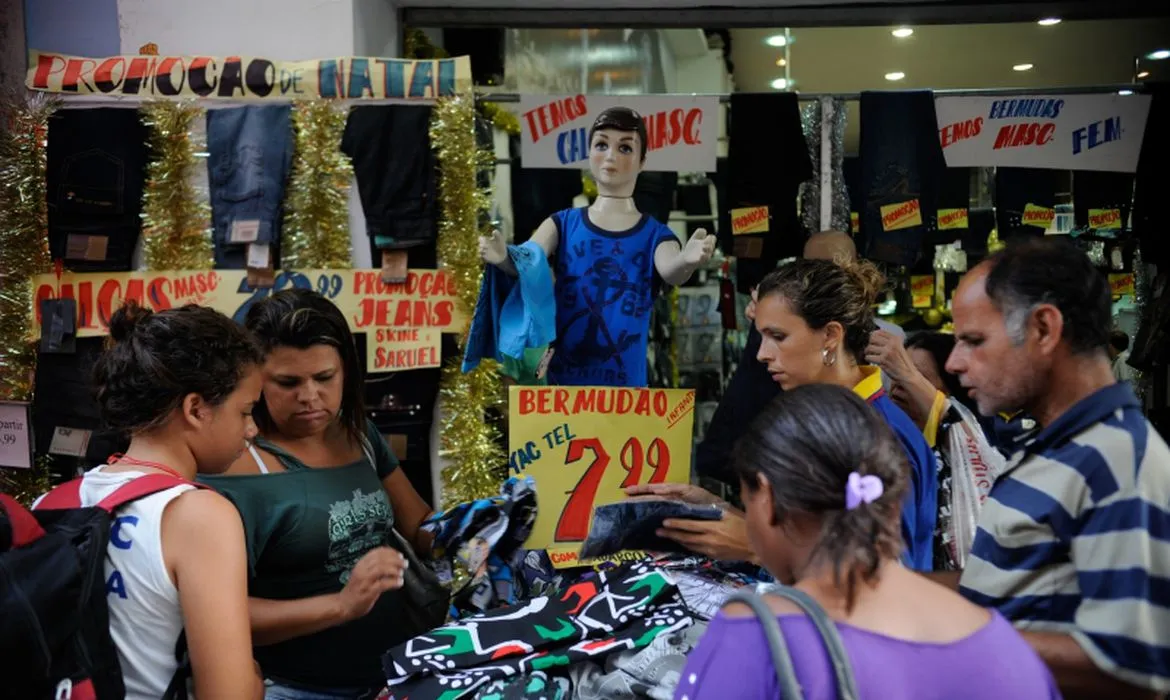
1061 132
681 130
249 77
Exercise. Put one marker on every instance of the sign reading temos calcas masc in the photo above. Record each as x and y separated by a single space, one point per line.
681 130
1060 132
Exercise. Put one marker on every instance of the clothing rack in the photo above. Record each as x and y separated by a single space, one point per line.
514 97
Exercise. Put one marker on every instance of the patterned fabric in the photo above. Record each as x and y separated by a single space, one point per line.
1075 537
652 672
607 613
534 686
483 538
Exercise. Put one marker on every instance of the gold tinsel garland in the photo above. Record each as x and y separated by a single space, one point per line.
24 252
501 118
316 222
469 443
176 221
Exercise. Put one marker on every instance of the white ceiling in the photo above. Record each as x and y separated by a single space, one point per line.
851 59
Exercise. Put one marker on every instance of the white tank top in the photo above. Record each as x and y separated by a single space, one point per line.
145 619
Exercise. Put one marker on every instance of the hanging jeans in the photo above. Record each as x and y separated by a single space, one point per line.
96 171
901 161
390 146
250 152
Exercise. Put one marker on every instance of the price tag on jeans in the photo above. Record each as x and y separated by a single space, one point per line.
71 442
258 256
15 445
244 231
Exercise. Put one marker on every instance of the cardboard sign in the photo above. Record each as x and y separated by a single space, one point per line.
15 442
922 291
1036 215
901 215
1121 284
1062 132
682 131
951 219
749 220
583 445
1105 219
425 302
249 77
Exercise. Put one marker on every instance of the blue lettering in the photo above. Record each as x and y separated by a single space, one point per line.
116 531
359 79
327 78
395 77
1112 129
571 146
115 584
523 458
1056 107
1095 134
423 79
447 77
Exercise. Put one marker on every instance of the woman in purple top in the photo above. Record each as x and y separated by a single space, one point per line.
822 479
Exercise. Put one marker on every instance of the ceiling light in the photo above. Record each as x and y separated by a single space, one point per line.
1022 67
902 32
776 40
1144 74
1158 55
1125 92
779 84
1049 21
897 75
781 62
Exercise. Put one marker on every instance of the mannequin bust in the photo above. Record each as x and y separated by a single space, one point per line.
605 258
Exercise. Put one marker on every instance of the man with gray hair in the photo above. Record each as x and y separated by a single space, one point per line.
1073 543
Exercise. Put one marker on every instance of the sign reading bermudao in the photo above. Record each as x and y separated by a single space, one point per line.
249 77
583 445
403 322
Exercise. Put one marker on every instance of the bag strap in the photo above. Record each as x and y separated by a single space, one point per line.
842 668
68 495
25 528
781 659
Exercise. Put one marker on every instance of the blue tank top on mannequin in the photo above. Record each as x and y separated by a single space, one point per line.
605 287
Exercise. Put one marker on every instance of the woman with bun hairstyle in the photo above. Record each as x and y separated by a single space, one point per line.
324 503
815 318
181 383
823 479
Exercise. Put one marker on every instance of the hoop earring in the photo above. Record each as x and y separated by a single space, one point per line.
828 357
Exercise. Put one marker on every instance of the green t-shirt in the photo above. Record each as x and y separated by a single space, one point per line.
305 530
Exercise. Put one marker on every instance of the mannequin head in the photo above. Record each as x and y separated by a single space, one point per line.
617 151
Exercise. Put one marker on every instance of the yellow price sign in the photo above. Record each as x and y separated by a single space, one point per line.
1036 215
1121 284
922 291
1105 219
584 445
951 219
749 220
902 215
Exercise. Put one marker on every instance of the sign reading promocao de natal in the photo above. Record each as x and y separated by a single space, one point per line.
249 77
583 445
681 130
403 322
1063 132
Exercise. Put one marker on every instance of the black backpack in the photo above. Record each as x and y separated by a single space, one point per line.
56 624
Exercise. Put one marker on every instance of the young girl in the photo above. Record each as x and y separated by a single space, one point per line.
182 384
823 480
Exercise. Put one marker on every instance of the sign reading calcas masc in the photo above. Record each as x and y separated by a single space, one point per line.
682 131
583 445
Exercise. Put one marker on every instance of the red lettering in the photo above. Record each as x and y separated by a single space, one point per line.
47 66
542 402
76 74
586 401
527 400
158 295
44 293
625 401
561 404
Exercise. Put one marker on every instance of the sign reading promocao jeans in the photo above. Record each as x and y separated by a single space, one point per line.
583 445
1060 132
681 130
403 322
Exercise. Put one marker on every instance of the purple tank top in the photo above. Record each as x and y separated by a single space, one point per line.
993 663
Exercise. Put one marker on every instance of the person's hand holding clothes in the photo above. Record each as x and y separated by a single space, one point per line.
724 539
687 493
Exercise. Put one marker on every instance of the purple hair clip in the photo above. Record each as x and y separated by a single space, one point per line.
862 489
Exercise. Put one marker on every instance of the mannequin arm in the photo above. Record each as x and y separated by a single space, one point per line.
546 236
671 265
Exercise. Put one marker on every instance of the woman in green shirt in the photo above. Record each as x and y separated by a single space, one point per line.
319 491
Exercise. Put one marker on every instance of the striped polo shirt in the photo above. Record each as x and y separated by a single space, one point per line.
1075 537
